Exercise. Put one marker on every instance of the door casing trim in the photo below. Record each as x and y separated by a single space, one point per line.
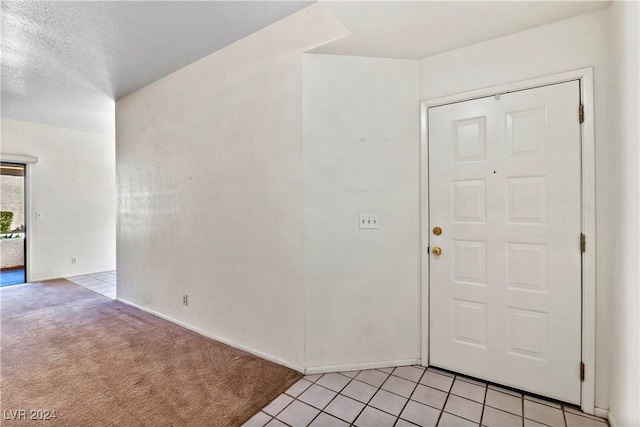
588 201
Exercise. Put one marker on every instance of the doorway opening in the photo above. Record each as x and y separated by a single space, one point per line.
12 224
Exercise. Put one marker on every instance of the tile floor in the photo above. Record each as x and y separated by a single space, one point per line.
103 283
410 396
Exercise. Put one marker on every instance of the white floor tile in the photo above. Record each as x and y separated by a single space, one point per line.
543 413
298 414
372 417
420 414
574 420
435 380
317 396
313 377
258 420
399 386
505 390
468 390
325 420
440 371
544 402
404 423
345 408
335 382
372 377
388 402
359 391
278 404
505 402
497 418
449 420
297 389
411 373
429 396
463 408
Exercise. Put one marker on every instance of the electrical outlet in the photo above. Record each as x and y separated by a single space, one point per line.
185 299
74 260
368 221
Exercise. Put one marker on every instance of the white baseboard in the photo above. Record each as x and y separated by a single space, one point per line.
601 413
612 422
216 337
361 366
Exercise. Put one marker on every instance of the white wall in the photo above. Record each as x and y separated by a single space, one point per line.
562 46
624 396
210 158
73 185
361 156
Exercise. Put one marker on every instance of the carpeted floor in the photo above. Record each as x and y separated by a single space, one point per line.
98 362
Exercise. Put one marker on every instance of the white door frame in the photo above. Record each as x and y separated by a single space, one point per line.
27 161
588 184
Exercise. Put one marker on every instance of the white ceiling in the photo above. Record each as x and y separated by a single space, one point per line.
64 63
417 29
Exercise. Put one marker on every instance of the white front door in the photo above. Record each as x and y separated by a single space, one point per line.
504 188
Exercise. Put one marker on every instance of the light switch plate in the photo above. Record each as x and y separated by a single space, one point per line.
368 221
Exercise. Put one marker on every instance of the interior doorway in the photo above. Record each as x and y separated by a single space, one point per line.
12 224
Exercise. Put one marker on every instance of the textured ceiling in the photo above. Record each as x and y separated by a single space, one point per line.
64 63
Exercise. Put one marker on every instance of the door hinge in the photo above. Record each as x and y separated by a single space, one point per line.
581 113
583 243
581 371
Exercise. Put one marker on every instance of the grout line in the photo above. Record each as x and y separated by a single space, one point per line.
522 405
338 393
444 405
410 394
484 402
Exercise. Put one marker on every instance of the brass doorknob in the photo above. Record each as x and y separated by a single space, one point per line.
436 250
437 231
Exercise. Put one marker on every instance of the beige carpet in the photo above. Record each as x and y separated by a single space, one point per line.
98 362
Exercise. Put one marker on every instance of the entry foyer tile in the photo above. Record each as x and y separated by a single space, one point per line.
543 413
359 391
420 414
497 418
468 390
448 420
335 382
345 408
317 396
371 417
399 386
372 377
429 396
464 408
298 414
340 400
388 402
435 380
504 402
